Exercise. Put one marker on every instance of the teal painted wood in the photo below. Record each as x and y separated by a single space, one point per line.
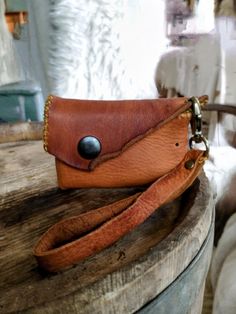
10 110
21 101
21 88
16 5
181 295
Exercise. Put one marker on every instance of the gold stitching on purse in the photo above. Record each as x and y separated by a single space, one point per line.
45 126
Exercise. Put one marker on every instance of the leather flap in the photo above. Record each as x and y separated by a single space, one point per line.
115 124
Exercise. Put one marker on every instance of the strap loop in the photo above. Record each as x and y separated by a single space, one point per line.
74 239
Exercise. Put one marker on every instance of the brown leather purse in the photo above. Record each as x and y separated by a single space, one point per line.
117 144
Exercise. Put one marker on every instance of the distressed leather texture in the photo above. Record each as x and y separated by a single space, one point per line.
102 227
141 163
117 125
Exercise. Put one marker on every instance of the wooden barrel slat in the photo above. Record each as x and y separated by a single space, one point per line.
184 294
12 132
120 279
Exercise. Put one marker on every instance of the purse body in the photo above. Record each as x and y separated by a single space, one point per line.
139 140
117 144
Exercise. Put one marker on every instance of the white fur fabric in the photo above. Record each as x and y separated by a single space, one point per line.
223 273
226 245
9 66
221 170
84 57
186 69
88 48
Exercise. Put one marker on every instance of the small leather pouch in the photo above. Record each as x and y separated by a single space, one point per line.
117 144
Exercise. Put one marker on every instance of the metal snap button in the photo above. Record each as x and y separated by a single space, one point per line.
89 147
189 164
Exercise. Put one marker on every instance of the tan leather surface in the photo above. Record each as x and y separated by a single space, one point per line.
122 219
117 125
141 163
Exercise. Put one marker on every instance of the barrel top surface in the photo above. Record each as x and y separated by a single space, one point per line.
31 202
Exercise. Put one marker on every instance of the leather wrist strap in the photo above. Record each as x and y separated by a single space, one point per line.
74 239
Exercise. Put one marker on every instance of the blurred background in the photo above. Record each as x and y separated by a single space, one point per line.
114 50
126 49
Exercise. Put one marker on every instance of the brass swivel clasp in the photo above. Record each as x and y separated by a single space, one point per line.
196 125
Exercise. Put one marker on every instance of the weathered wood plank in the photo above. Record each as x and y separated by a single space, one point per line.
122 278
25 170
11 132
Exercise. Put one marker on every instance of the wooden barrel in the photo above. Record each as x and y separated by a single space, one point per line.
160 267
